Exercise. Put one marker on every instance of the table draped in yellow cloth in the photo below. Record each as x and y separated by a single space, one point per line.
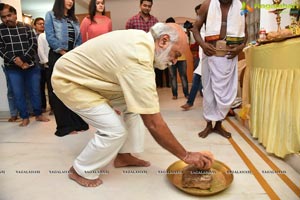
275 95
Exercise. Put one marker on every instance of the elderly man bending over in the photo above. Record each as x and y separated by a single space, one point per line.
115 72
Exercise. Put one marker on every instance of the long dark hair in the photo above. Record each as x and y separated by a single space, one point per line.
58 9
93 9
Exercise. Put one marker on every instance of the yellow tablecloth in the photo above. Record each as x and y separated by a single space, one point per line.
275 95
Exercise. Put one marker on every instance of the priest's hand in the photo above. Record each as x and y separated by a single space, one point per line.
208 49
234 50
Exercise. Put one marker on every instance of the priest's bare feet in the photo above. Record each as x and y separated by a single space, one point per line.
127 160
41 118
218 129
208 129
83 181
24 122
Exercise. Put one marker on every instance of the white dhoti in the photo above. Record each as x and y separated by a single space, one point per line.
114 135
219 79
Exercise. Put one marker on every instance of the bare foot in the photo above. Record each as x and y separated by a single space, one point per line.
222 132
218 129
73 133
126 160
24 122
42 118
13 119
208 129
83 181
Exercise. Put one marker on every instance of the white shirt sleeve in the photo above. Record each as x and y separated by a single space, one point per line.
43 48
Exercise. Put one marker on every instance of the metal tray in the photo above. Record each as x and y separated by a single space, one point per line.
222 178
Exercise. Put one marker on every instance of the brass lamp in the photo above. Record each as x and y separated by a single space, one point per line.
277 12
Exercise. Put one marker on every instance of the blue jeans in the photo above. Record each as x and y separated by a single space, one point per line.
196 86
181 67
10 96
26 80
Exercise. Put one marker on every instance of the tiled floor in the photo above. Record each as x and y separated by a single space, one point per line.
46 159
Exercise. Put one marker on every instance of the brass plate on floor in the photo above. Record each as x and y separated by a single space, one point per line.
222 178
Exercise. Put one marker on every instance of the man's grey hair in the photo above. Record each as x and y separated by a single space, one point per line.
160 29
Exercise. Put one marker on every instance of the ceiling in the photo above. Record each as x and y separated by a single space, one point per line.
38 8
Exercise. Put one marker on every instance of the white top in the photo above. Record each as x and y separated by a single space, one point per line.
43 48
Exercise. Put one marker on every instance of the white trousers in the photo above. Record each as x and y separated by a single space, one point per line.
115 134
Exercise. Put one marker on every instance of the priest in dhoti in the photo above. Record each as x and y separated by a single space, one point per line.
225 38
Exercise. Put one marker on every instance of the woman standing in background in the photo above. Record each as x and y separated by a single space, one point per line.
63 34
96 23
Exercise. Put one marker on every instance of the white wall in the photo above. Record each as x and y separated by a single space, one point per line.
3 88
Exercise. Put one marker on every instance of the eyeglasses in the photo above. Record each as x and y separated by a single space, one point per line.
40 23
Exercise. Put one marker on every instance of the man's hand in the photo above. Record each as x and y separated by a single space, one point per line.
62 52
208 49
18 61
25 65
234 50
202 160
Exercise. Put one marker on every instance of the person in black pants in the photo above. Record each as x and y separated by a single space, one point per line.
159 78
63 34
